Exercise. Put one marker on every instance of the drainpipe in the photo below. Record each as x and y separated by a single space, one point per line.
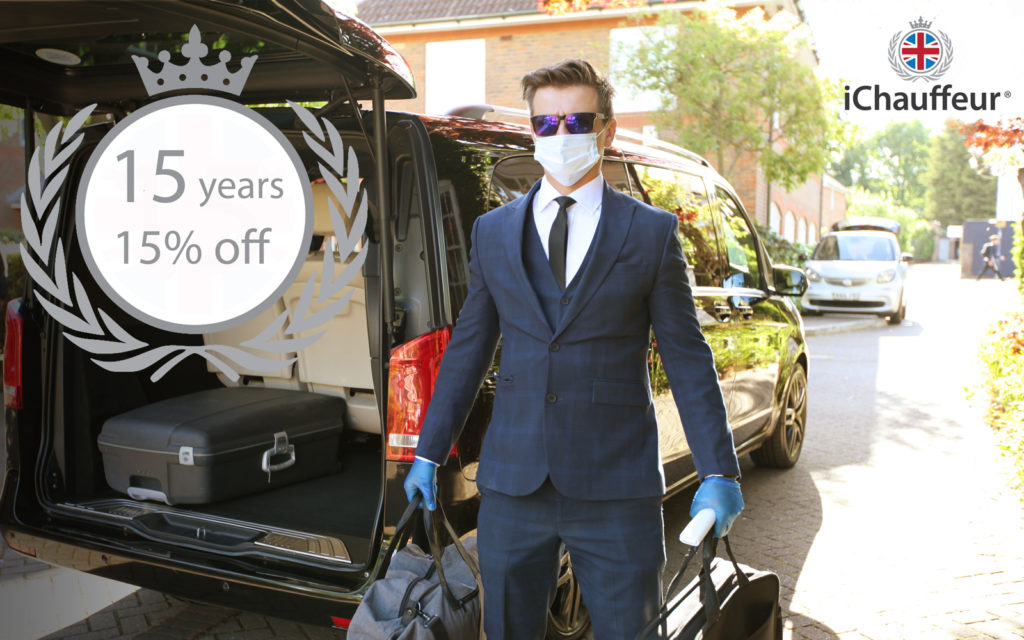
821 207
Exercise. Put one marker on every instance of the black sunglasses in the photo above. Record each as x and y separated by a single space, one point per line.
574 122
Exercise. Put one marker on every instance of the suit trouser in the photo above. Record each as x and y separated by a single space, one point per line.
617 549
990 266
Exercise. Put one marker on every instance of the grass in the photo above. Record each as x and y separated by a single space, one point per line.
1002 354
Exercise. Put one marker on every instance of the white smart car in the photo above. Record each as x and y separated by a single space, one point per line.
858 270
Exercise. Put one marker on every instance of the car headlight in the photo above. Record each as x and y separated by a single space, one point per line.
886 276
813 276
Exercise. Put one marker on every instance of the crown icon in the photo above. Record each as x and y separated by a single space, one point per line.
194 74
920 23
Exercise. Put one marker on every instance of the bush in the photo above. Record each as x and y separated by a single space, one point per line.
782 251
1018 256
922 241
1002 354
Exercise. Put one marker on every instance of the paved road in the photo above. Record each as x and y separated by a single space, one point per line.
896 523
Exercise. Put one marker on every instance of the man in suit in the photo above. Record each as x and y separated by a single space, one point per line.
572 277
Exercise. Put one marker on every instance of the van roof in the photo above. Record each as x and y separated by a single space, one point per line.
61 55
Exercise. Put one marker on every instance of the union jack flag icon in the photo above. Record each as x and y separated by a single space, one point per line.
920 51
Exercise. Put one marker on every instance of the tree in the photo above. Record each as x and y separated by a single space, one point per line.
889 162
734 87
902 152
956 191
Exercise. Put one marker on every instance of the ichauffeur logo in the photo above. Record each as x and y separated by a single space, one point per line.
922 53
194 214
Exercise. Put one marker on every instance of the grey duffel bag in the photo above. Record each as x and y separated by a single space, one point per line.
423 597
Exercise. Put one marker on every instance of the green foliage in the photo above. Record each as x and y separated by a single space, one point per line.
15 276
782 251
889 163
865 203
734 87
1002 354
955 191
922 240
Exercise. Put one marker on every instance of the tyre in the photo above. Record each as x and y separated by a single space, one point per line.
782 448
897 318
568 617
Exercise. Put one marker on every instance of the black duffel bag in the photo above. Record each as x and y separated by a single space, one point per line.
726 601
423 597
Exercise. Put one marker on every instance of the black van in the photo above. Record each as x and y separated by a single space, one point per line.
307 547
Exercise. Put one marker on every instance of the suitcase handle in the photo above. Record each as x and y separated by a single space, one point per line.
698 528
281 447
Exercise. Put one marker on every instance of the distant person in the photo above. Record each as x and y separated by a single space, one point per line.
990 254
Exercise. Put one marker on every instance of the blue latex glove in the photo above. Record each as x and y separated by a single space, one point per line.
721 495
422 479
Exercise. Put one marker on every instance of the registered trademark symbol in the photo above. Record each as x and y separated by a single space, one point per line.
1006 94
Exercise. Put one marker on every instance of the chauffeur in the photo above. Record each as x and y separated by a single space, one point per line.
572 276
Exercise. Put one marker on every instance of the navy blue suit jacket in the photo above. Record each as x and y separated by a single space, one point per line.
580 412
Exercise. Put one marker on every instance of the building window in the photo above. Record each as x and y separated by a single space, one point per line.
812 234
789 226
627 98
455 74
774 217
801 230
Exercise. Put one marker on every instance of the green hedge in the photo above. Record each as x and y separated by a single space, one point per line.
1002 354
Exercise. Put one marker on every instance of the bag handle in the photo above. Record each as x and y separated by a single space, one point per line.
708 593
431 520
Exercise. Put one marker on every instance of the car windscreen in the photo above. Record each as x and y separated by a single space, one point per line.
853 247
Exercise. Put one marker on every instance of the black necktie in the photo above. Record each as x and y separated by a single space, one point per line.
558 241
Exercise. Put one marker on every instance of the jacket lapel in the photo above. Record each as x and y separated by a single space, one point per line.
514 229
612 228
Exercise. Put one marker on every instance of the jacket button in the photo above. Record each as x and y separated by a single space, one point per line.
553 346
551 398
565 300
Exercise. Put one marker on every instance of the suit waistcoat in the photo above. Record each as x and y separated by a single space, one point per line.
553 301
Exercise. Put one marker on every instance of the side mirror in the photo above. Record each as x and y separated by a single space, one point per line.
789 281
907 257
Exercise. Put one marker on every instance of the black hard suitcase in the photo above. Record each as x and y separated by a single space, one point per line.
221 443
726 601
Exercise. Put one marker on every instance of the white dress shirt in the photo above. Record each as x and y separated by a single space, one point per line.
583 218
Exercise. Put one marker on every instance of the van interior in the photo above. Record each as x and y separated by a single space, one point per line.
330 519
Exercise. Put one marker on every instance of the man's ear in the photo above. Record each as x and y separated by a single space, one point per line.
609 132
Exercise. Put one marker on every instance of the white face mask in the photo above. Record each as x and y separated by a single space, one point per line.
567 157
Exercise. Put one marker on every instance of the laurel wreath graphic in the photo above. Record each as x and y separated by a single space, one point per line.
896 62
94 331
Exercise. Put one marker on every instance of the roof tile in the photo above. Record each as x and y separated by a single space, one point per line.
382 12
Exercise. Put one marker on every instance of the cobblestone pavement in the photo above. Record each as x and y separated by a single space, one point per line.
895 525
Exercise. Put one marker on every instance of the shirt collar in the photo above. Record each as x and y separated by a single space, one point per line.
588 196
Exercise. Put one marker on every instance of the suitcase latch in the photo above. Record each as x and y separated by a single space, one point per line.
186 457
280 448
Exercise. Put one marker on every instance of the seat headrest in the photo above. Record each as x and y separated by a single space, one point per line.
321 210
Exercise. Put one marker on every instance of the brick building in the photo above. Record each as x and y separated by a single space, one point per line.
475 51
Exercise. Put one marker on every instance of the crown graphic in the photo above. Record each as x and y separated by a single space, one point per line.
920 23
194 74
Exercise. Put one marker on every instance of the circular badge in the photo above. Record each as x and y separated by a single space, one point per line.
195 213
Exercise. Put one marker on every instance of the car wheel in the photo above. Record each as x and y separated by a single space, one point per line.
782 448
897 318
568 617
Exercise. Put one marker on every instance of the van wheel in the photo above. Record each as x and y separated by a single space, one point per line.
568 617
782 448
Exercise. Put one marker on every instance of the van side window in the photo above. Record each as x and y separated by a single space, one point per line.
513 177
740 244
456 247
684 195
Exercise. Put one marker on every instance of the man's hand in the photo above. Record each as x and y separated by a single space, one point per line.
422 479
721 495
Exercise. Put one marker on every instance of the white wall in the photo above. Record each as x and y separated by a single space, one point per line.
455 74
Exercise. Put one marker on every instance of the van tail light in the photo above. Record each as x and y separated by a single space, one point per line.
411 377
340 623
14 326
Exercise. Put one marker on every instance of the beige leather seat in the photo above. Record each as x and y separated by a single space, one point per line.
339 362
